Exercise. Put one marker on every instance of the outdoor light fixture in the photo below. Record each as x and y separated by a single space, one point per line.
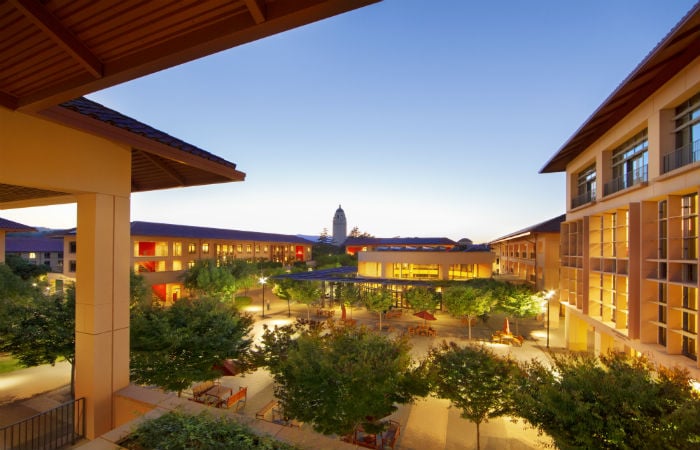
262 281
548 296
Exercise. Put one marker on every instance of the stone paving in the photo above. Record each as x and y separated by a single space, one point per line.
427 424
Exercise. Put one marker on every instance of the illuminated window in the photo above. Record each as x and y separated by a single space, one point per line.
239 248
190 264
177 248
205 247
32 255
265 248
257 248
248 248
177 264
192 248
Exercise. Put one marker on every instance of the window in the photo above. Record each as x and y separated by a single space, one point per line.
190 264
177 248
205 247
239 248
177 264
248 248
72 266
629 164
689 226
32 255
72 247
687 135
585 180
192 248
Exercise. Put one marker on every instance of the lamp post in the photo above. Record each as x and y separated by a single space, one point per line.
262 281
548 297
289 309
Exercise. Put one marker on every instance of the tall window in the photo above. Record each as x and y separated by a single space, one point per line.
629 164
205 247
689 212
192 248
687 135
586 181
177 248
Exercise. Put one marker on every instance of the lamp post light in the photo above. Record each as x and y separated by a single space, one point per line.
548 296
262 281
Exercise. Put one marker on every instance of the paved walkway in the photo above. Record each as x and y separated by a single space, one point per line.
427 424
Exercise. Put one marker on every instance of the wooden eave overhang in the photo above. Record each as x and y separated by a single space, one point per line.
52 51
678 49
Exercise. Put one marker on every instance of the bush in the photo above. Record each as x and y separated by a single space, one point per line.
242 301
175 431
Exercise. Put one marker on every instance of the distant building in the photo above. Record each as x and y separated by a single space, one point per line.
354 245
38 250
8 226
340 227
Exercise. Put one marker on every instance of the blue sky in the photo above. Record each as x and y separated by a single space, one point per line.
421 118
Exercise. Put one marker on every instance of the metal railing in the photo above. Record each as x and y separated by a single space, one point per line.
681 156
629 179
586 197
50 430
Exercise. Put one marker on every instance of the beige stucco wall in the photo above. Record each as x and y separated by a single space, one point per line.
379 263
40 154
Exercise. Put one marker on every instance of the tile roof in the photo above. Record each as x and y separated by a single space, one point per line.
99 112
8 225
33 244
548 226
186 231
412 241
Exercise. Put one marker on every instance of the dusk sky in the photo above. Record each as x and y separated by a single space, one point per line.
421 118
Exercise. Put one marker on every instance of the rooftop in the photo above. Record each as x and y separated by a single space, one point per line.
548 226
194 232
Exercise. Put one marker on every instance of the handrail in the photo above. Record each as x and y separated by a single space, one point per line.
50 430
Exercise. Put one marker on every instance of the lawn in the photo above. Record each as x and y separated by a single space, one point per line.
8 363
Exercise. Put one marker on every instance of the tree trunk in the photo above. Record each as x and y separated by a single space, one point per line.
469 325
380 321
308 312
478 436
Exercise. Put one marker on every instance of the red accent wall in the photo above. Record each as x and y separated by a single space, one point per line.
160 291
147 248
300 253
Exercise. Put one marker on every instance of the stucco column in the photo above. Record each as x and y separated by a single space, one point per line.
2 246
102 306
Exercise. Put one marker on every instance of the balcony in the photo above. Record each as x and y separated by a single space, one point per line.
582 199
681 156
629 179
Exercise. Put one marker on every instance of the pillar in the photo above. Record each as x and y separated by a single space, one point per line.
102 306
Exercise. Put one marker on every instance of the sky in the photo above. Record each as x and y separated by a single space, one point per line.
420 118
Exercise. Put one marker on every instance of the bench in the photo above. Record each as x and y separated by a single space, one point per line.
198 390
262 412
238 399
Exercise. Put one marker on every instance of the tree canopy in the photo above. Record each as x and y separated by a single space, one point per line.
339 377
468 301
473 379
519 302
422 298
176 346
379 301
612 402
208 279
305 292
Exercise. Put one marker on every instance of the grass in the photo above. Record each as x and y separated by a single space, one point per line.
242 301
8 363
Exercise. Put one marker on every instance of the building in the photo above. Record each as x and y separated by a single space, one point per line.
37 249
8 226
629 244
56 145
353 245
531 254
340 227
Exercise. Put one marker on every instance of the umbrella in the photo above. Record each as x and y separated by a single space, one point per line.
506 326
425 315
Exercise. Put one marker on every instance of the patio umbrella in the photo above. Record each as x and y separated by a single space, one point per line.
506 326
425 315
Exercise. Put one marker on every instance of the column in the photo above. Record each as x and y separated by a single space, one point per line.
102 306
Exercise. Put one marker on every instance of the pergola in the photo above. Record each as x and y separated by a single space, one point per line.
56 147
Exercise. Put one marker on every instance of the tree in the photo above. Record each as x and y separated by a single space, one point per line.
41 329
519 302
339 377
15 291
351 296
324 237
208 279
305 292
463 300
24 269
140 295
611 402
176 346
474 379
378 301
422 299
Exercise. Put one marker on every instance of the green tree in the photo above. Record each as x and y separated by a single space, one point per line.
208 279
24 269
351 296
612 402
13 292
176 346
519 302
474 379
468 301
338 377
378 301
140 294
422 298
41 329
305 292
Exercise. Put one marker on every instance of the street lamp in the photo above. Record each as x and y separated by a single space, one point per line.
262 281
548 296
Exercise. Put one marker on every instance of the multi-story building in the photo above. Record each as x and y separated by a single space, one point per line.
629 245
354 245
37 249
531 254
8 226
163 252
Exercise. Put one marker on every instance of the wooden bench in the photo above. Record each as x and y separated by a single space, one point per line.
198 390
238 399
262 412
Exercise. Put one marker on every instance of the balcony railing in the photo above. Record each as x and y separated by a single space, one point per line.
582 199
682 156
54 429
629 179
